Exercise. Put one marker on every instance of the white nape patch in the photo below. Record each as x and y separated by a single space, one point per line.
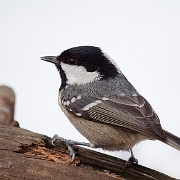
78 114
104 98
87 107
73 99
78 74
112 61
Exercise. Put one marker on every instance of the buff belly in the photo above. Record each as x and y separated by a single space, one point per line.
105 136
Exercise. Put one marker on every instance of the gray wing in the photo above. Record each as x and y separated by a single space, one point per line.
134 113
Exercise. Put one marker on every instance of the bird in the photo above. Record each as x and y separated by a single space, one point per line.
103 105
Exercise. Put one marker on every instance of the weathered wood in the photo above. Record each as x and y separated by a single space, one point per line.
7 101
28 155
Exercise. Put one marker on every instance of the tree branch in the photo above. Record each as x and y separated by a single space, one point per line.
28 155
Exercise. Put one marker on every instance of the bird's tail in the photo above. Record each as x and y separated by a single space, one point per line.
172 140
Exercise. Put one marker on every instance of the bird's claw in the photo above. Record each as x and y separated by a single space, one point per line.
130 161
72 153
69 144
54 138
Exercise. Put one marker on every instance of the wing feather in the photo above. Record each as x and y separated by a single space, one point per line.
134 113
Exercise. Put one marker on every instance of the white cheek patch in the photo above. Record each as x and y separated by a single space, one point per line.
78 74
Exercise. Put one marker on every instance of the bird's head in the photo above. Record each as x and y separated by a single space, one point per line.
83 64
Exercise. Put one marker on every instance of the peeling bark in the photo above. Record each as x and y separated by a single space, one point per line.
28 155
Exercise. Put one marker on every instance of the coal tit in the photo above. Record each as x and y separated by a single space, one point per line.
102 104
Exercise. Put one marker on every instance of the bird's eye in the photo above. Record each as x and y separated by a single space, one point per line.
72 61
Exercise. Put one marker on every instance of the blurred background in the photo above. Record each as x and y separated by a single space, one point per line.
142 36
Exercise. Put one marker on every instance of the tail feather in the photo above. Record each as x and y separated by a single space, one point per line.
172 140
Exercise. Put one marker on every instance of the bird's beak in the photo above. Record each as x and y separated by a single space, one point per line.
52 59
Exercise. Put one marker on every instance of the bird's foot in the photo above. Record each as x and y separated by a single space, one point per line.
131 160
69 143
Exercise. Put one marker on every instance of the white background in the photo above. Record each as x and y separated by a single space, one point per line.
143 37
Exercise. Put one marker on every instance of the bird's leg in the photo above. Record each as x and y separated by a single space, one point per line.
69 144
131 160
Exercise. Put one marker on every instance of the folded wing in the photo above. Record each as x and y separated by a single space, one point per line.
133 113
